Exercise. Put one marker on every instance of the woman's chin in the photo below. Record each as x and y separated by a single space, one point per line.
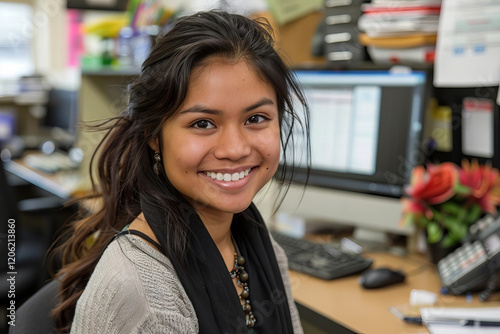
232 207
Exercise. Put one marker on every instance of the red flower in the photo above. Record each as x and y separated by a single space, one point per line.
484 184
415 207
433 186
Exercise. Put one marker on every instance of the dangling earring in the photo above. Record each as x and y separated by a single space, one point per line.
157 168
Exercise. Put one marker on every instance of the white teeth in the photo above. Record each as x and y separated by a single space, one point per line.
229 177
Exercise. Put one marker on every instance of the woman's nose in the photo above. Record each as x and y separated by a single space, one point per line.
232 144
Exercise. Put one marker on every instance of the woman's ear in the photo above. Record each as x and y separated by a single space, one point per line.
153 143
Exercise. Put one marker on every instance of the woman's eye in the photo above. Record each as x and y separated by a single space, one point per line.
254 119
203 124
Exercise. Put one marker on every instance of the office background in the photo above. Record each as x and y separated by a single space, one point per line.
64 61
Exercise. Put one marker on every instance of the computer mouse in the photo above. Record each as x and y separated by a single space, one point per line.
380 277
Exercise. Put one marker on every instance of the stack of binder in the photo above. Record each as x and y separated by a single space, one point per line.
400 31
341 32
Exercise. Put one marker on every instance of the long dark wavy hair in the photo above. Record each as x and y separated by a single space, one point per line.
125 162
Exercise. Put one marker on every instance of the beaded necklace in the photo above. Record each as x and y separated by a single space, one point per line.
242 278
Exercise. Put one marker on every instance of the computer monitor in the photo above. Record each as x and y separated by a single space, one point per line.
62 110
365 129
7 125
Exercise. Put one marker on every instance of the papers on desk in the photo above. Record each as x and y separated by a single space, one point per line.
441 320
468 48
448 329
50 163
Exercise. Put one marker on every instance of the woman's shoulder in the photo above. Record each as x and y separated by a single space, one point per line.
132 284
131 266
137 251
134 259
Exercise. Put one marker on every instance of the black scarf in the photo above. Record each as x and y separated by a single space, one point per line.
208 283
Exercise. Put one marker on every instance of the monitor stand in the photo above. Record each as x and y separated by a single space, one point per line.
369 236
379 241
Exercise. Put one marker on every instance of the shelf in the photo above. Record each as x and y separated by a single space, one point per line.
364 65
108 71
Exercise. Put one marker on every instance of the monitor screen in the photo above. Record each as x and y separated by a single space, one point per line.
365 129
7 125
62 110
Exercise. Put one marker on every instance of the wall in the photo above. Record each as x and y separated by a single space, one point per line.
48 33
294 38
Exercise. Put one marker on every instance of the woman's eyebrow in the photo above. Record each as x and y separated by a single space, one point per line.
198 108
262 102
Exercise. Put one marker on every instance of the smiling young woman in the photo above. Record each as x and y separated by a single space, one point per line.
180 247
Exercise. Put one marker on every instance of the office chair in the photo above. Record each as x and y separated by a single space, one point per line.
36 220
34 315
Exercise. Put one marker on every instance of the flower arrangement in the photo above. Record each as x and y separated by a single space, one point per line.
446 199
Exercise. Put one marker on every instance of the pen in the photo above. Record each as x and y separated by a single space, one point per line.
413 320
479 323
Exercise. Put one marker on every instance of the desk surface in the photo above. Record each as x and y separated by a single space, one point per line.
62 184
367 311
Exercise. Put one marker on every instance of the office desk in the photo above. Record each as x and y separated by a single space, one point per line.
63 184
367 311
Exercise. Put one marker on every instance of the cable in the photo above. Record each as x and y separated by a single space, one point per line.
491 285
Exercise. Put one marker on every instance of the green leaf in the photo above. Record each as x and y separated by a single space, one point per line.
451 208
461 214
461 189
451 223
457 230
423 222
434 232
437 215
449 240
409 219
473 214
462 232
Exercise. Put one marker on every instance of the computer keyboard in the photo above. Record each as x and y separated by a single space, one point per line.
322 260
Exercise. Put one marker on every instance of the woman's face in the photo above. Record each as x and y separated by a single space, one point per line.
223 144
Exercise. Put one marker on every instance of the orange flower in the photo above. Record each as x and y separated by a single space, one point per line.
484 184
